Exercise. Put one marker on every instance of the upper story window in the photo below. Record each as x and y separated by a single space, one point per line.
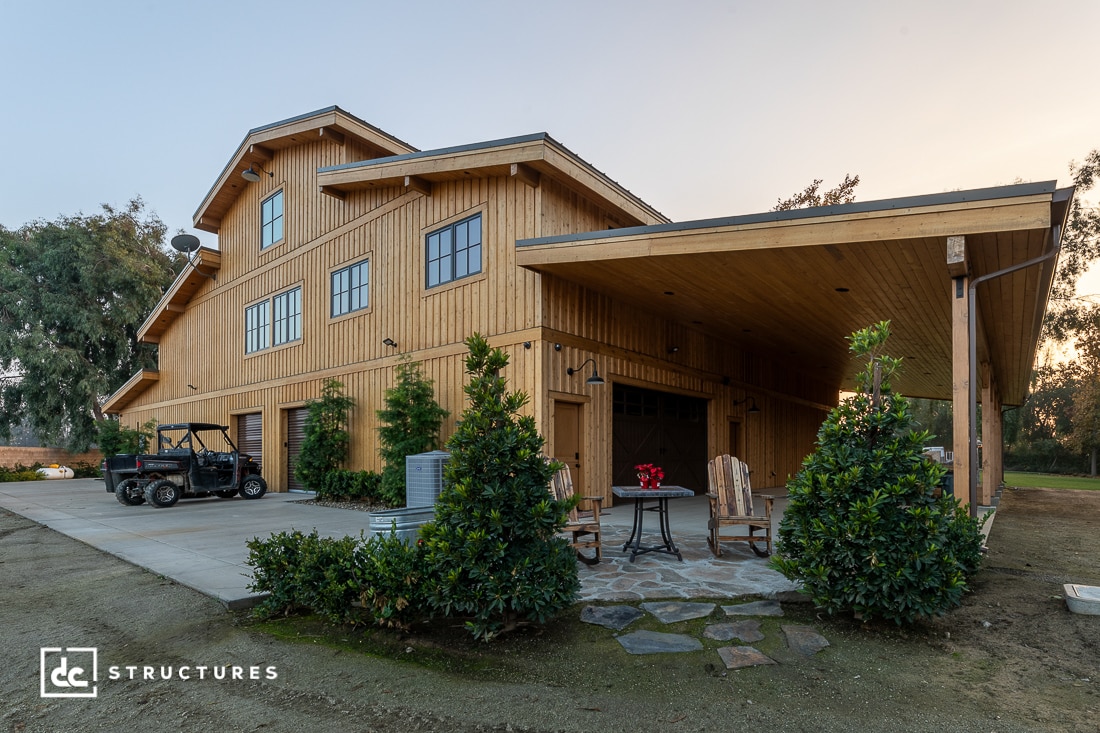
454 251
288 316
257 319
350 291
271 220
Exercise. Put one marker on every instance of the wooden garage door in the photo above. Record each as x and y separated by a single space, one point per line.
295 436
665 429
250 435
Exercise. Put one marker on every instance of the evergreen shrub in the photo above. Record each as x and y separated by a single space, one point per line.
409 425
868 528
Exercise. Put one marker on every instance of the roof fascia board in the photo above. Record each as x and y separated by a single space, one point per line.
134 386
206 262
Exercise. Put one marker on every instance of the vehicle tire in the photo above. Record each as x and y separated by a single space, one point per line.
253 487
162 494
227 494
129 493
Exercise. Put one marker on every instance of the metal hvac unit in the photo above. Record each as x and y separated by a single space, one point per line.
424 477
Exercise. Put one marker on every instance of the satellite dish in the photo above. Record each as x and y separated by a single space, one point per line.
186 243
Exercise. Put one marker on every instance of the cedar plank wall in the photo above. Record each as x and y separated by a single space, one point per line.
205 345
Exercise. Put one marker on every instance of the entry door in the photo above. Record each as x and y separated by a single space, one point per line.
295 436
569 441
250 435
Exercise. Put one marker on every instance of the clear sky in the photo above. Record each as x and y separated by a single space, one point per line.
701 108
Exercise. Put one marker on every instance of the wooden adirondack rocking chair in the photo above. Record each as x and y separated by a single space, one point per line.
730 497
584 527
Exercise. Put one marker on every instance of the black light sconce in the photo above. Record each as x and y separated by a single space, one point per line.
250 173
390 342
594 379
192 386
753 409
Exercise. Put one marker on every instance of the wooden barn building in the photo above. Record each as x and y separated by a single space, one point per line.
342 249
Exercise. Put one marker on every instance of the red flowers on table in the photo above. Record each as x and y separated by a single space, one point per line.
649 476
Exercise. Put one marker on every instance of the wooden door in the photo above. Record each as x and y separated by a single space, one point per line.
665 429
737 449
569 443
250 436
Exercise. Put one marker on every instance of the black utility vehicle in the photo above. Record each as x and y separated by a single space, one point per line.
192 460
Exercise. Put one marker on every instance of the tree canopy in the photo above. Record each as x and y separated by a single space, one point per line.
1067 315
73 294
842 193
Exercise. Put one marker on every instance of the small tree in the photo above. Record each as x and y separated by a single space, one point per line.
325 446
492 550
410 424
114 437
868 528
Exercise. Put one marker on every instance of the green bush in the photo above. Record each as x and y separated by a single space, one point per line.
866 529
344 485
19 473
492 552
391 575
83 469
302 571
410 424
114 438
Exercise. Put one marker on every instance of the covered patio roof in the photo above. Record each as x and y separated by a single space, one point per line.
793 284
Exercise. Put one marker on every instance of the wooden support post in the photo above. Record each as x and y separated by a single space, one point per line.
957 266
992 442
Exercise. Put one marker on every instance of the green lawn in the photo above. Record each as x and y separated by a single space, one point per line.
1050 481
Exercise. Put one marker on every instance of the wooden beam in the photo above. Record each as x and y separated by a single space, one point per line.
208 224
334 192
261 153
327 133
958 260
418 184
992 442
960 386
525 174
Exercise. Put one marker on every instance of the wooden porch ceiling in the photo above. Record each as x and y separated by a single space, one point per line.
793 285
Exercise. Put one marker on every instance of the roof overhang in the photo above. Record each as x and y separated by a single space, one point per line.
128 392
200 271
793 285
527 158
260 144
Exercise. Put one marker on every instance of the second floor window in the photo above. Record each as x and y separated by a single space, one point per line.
256 327
271 220
454 252
350 291
288 316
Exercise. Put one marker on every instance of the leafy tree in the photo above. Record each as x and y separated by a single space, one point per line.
73 294
492 550
843 193
1080 248
326 441
868 528
1084 434
410 424
1035 433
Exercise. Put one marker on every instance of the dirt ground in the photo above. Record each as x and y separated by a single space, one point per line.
1011 659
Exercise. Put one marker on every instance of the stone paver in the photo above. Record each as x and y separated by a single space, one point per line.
611 617
747 631
756 608
736 657
654 642
669 612
804 640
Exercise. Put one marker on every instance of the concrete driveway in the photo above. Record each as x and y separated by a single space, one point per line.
200 543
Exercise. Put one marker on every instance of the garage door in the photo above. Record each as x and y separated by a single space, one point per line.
295 436
250 435
665 429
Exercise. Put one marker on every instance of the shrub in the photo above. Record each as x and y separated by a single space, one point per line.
492 551
114 438
391 576
325 445
343 485
410 424
865 529
19 473
302 571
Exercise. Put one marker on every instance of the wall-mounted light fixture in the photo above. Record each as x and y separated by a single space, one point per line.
390 342
753 409
594 379
526 344
673 349
192 386
250 173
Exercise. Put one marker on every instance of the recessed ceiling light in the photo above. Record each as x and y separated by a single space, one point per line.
842 290
669 292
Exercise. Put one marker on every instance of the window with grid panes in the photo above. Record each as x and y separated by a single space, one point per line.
454 252
256 327
350 289
288 316
271 220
